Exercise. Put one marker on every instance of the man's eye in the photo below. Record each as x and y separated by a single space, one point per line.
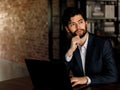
80 21
72 24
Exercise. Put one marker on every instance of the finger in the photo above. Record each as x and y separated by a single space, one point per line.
73 80
74 84
77 44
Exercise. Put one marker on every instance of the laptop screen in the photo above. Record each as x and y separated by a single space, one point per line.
48 74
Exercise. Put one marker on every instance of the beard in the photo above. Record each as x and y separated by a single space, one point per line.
81 35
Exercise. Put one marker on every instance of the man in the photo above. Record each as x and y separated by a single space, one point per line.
88 57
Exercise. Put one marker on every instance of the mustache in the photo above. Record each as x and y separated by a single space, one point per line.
74 34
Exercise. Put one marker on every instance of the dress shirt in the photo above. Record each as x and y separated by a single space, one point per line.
83 54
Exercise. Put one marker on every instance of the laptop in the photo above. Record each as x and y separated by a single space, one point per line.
48 75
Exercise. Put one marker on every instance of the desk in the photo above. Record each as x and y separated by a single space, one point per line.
25 83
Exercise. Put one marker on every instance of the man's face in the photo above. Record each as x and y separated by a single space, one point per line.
77 26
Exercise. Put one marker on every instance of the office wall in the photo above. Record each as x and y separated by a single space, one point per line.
23 34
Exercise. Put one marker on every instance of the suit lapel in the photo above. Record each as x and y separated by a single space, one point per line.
79 61
89 54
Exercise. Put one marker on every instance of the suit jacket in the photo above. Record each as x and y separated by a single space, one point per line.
100 63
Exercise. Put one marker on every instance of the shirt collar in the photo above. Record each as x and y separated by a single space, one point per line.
86 43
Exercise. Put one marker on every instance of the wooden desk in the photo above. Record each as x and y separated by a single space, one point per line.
25 83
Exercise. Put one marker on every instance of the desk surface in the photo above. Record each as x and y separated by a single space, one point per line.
25 83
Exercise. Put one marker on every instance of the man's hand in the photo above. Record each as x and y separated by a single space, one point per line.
78 80
74 43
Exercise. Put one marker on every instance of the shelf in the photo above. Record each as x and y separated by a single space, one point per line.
101 18
102 0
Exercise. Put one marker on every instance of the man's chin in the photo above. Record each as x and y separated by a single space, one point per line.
82 35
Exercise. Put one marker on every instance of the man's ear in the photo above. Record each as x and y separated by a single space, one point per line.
66 28
69 35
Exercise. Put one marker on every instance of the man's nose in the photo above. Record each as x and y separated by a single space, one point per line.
77 25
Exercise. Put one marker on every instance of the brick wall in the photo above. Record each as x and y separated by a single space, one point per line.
23 29
23 34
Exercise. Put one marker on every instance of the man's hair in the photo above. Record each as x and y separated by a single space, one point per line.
70 12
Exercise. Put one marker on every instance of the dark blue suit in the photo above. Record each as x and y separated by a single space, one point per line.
100 63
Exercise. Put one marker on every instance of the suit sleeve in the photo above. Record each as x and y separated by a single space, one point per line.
109 71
